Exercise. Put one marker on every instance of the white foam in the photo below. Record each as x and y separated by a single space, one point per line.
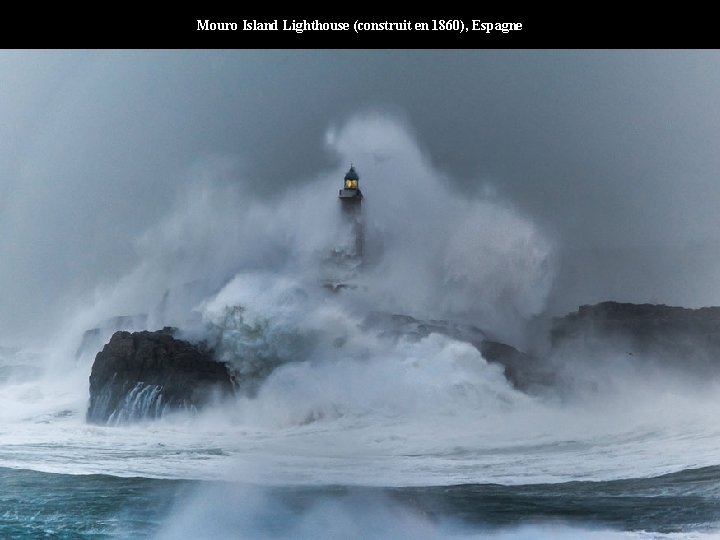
351 406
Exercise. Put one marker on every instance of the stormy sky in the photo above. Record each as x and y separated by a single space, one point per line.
613 154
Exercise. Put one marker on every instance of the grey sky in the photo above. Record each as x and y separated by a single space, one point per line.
614 153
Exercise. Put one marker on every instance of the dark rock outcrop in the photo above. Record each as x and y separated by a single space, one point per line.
524 371
641 322
146 374
646 336
668 335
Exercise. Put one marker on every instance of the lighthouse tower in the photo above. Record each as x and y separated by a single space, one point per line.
351 203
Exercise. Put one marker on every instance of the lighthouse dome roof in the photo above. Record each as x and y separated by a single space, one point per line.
352 174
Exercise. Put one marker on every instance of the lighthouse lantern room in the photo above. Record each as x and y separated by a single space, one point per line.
350 194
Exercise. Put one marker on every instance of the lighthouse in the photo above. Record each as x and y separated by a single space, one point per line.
351 204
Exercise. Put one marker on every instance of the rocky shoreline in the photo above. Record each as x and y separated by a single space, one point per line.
141 375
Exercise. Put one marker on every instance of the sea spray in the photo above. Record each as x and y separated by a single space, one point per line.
345 403
432 252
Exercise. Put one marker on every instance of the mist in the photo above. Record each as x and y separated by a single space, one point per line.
610 154
249 512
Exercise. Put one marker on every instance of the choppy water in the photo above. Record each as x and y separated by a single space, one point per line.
45 505
42 505
403 439
359 433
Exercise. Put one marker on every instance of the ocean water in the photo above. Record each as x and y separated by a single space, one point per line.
49 505
420 439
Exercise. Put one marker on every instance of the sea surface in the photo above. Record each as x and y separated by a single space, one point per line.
363 435
529 468
49 505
